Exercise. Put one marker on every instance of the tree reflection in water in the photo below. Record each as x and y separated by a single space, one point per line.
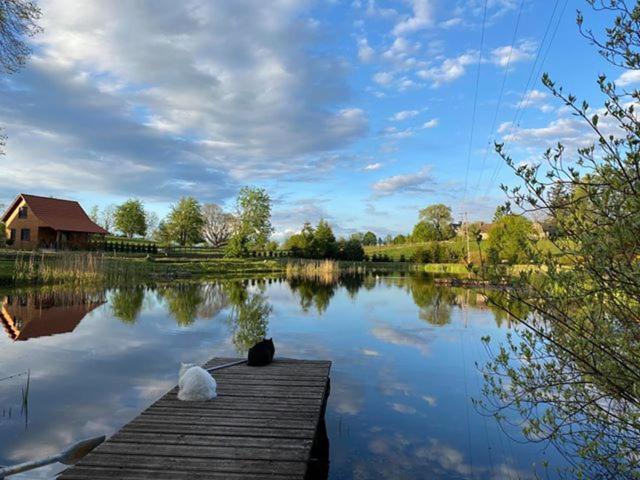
249 315
126 303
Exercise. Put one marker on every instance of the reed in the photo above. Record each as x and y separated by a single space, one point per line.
326 271
323 271
75 268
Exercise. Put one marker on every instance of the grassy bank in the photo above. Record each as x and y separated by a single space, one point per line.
22 269
408 250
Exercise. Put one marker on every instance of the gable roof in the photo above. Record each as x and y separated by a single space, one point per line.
65 215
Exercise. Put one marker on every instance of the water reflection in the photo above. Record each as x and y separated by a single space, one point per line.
37 314
403 375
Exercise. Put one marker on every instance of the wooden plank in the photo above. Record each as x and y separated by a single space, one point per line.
217 430
209 440
262 425
111 473
226 421
244 413
200 451
179 464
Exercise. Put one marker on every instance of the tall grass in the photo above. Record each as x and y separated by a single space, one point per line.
326 271
323 271
75 267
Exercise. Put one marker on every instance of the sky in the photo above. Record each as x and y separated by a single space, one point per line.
357 111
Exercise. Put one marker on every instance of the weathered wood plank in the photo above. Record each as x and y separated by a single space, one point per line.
217 430
209 440
111 473
244 413
162 463
261 425
225 421
199 451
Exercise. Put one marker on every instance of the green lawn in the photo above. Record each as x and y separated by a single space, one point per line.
395 251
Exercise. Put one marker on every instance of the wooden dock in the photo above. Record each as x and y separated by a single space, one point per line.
266 423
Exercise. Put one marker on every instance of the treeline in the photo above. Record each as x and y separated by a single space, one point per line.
321 243
189 223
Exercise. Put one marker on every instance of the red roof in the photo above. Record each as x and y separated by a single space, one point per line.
63 215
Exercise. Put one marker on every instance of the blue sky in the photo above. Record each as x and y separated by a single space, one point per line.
357 111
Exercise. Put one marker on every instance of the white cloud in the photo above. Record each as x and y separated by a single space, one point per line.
373 10
431 123
420 181
628 78
370 353
421 18
365 53
572 132
373 166
395 134
452 22
535 99
431 400
404 115
450 69
502 56
402 408
401 53
194 103
383 78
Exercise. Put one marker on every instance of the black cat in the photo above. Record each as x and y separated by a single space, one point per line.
261 353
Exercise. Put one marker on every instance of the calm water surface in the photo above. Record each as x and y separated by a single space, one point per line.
403 375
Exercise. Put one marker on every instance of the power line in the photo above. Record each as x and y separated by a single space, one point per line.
546 54
500 95
475 102
525 93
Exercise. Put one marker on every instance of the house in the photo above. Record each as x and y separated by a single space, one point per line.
41 222
25 317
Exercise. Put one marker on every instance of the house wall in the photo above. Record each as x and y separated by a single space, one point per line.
32 223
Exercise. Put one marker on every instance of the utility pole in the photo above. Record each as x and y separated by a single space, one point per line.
466 230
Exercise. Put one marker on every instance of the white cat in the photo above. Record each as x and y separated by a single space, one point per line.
195 384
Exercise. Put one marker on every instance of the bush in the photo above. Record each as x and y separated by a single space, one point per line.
436 252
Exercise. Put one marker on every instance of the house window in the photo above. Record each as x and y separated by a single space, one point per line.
22 212
12 234
25 234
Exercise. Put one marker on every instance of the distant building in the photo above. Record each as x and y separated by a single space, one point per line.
481 228
41 222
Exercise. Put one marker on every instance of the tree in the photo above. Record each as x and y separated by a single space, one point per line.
185 222
217 225
350 249
162 235
108 216
3 234
501 211
94 214
399 240
572 374
253 229
153 222
17 22
424 232
369 239
324 243
296 244
439 216
129 218
510 239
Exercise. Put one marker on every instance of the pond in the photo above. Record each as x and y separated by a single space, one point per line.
404 351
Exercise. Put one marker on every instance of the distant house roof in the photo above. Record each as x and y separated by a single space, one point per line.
44 322
63 215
